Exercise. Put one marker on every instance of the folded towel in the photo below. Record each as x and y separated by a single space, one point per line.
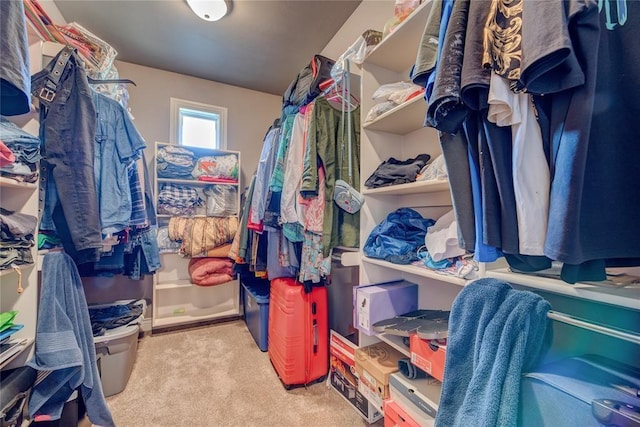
495 333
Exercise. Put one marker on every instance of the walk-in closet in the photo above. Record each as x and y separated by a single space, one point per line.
398 213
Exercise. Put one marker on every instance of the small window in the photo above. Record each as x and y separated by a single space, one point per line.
198 125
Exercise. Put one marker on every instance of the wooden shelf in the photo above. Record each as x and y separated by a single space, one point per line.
418 271
181 284
403 119
395 341
396 52
417 187
12 270
175 284
192 314
193 182
193 216
26 346
12 183
627 296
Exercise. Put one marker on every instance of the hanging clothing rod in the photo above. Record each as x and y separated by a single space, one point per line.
585 324
107 81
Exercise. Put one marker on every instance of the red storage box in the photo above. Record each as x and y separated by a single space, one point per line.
298 332
428 355
395 416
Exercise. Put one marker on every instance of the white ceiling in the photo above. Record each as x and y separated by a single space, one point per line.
260 44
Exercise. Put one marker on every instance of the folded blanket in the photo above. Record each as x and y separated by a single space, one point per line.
495 334
210 271
199 235
217 252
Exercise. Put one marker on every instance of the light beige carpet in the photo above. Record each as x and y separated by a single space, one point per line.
217 376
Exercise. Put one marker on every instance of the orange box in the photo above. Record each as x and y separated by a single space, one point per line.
395 416
428 355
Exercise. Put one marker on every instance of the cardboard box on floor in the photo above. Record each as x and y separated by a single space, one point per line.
374 364
343 377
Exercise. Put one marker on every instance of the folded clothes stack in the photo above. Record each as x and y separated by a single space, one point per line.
175 162
17 232
104 318
393 171
176 199
25 149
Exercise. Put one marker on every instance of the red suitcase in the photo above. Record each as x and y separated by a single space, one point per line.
298 332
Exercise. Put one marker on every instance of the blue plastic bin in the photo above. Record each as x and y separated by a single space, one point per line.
256 310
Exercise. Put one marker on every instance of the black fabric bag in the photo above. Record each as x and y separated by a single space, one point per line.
305 87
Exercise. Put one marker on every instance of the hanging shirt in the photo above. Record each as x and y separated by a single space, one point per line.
595 191
263 175
291 214
117 144
325 144
529 164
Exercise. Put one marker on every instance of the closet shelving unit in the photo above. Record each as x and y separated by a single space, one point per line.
20 197
176 301
400 133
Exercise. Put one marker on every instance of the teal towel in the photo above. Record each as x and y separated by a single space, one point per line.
495 334
65 346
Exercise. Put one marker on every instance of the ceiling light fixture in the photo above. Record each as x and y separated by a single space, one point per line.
209 10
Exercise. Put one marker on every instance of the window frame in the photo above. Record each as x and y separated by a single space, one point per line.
175 122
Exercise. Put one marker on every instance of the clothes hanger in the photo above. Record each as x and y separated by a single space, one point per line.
332 91
101 81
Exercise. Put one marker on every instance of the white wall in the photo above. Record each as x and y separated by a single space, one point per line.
249 112
370 15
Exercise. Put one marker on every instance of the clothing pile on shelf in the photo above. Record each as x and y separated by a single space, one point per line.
110 316
405 237
20 153
179 200
182 163
9 345
435 170
389 96
175 162
537 163
393 171
290 222
17 231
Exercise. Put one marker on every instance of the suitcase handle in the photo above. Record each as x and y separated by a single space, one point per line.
315 336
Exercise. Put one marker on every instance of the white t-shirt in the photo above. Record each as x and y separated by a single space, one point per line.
441 239
531 176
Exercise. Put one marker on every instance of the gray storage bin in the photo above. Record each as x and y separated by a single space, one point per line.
116 352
